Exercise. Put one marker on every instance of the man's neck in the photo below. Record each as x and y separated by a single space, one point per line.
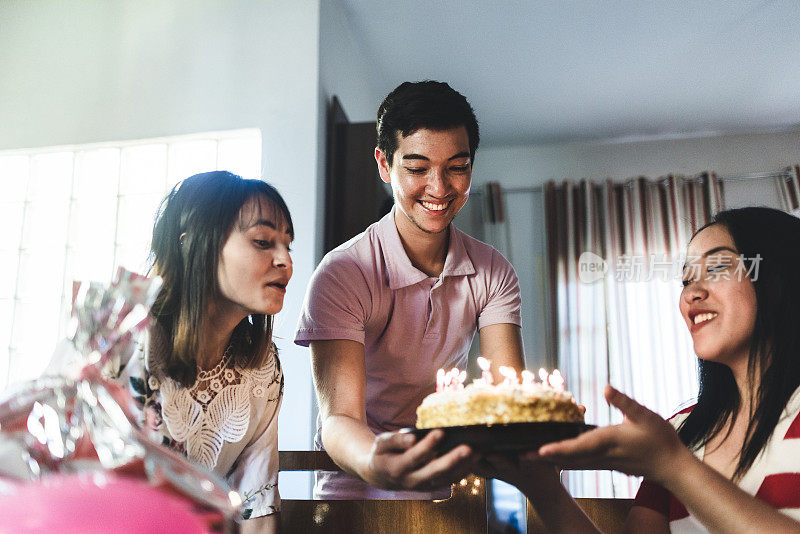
426 251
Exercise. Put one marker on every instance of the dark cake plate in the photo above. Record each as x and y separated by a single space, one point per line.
510 437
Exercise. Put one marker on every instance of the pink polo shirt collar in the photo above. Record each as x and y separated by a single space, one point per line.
399 267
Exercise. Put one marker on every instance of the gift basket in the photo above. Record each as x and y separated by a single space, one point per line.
73 457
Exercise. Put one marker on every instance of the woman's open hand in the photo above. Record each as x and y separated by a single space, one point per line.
643 444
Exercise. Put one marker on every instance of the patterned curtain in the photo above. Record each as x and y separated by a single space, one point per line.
790 190
496 228
614 265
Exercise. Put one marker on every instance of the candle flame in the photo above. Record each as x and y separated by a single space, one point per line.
543 375
508 372
439 380
454 378
528 378
556 381
509 376
453 374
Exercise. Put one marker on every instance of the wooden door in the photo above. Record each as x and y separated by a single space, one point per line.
355 197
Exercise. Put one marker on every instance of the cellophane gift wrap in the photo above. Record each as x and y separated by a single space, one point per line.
72 456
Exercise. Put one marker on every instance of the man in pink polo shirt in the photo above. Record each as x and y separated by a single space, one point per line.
384 311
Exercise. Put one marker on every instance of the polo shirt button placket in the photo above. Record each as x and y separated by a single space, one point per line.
430 328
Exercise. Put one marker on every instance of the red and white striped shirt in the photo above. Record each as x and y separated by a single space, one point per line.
774 476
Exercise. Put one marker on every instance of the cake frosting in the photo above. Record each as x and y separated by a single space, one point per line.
484 403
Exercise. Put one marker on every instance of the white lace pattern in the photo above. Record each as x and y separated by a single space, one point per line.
216 409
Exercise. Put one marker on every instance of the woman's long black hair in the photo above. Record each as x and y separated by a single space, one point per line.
771 239
193 223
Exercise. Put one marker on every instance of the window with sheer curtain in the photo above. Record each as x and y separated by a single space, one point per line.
79 212
623 326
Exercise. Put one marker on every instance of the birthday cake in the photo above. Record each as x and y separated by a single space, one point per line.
521 399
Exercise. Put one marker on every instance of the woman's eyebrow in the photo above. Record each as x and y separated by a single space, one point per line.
264 222
269 224
710 252
718 249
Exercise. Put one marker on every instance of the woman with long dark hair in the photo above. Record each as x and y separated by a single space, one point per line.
208 375
730 463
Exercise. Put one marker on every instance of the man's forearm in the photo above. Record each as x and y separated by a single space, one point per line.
348 442
502 345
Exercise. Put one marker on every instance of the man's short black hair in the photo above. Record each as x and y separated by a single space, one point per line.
427 104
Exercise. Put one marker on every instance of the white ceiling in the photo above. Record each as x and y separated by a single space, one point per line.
553 71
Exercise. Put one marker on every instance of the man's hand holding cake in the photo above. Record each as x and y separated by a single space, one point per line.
387 461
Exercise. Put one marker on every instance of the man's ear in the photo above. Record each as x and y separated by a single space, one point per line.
383 165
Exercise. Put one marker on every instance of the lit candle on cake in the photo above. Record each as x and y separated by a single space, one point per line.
528 379
454 379
543 375
509 376
556 381
520 397
452 382
486 374
461 378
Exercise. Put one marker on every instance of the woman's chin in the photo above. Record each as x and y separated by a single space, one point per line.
270 309
706 353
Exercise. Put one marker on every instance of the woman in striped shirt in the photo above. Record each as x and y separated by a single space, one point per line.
730 463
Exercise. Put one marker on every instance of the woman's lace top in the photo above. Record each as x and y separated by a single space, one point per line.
227 421
216 409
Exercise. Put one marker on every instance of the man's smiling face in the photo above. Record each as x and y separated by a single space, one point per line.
430 175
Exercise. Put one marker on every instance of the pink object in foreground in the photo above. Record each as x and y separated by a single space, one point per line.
95 502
